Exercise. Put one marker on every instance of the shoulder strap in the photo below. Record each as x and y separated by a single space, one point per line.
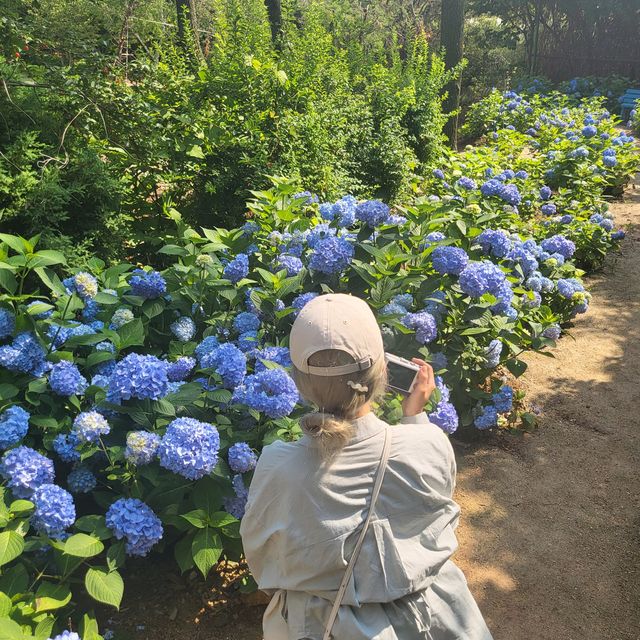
354 556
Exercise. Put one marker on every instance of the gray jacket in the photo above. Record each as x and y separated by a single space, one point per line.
301 525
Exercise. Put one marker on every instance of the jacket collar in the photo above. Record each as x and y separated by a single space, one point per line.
366 427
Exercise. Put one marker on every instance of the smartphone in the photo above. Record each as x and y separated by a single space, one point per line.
401 373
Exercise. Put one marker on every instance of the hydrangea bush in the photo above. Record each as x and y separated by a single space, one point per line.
135 401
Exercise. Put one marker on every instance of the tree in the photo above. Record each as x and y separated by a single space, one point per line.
274 9
451 38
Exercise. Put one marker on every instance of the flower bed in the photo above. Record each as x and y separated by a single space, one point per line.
135 401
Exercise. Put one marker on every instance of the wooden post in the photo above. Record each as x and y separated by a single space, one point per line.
451 38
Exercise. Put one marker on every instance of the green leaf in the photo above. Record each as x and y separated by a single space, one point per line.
182 553
163 407
21 507
15 242
116 555
97 357
131 334
51 280
207 496
206 549
196 152
8 391
5 605
95 525
221 519
104 587
50 596
173 250
14 580
197 518
153 308
39 307
44 627
8 281
106 298
89 628
46 258
517 367
82 545
10 630
11 546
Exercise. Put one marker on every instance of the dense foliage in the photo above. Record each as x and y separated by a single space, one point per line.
135 401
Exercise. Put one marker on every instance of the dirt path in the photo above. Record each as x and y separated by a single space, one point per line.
550 527
549 534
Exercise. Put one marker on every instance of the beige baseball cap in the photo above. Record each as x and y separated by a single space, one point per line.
336 321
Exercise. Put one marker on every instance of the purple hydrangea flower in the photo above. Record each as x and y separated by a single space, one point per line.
424 324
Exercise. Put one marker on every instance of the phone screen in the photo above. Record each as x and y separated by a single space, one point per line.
400 378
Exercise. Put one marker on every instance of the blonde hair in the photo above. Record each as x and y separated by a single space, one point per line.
338 398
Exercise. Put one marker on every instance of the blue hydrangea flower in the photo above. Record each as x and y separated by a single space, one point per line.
69 635
14 424
438 360
318 233
7 323
24 355
492 354
372 212
503 399
292 264
393 309
579 152
534 283
431 238
140 376
279 355
85 285
520 256
496 242
81 480
242 458
120 317
65 445
548 209
271 391
306 196
248 341
445 416
607 225
466 183
25 470
448 259
90 310
236 505
142 447
559 244
567 287
522 174
545 192
589 131
133 520
180 369
250 227
65 379
618 235
54 509
478 278
424 324
228 362
487 419
89 426
206 346
438 173
189 448
246 321
331 255
301 300
552 332
147 284
237 269
184 328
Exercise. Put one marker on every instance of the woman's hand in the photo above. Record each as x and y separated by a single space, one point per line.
423 387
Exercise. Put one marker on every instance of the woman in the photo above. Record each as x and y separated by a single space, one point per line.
309 500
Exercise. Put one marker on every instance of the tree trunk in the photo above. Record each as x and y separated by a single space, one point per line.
451 38
274 9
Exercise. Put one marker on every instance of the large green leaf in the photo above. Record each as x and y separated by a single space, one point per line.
206 549
131 334
50 596
10 630
82 545
5 605
14 580
95 525
104 586
11 546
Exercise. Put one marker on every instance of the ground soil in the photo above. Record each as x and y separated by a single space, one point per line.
549 534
